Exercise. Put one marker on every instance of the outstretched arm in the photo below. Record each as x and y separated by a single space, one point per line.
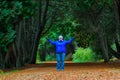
52 42
70 40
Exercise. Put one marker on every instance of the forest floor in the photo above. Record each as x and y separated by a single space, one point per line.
73 71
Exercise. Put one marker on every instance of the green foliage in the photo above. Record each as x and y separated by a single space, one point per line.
6 39
83 55
65 28
50 58
93 13
86 20
2 73
83 38
113 46
97 19
11 12
38 58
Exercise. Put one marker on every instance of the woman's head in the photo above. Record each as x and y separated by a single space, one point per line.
60 38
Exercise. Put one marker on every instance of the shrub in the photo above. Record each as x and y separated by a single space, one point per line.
50 58
83 55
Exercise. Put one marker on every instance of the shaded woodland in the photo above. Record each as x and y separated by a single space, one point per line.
26 24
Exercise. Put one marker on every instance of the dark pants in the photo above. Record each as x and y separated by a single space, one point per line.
60 61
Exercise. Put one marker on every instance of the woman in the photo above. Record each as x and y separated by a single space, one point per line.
60 51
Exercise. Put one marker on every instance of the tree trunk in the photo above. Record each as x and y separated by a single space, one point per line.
104 46
40 30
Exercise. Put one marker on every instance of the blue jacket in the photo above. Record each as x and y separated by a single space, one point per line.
60 45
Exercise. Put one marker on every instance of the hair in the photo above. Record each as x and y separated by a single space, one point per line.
60 36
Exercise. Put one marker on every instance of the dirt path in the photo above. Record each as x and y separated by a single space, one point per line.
86 71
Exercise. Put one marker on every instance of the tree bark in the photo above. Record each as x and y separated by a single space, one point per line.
39 31
104 45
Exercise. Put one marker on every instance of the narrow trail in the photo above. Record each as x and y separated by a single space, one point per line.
82 71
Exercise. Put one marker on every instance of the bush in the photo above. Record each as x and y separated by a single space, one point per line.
50 58
83 55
